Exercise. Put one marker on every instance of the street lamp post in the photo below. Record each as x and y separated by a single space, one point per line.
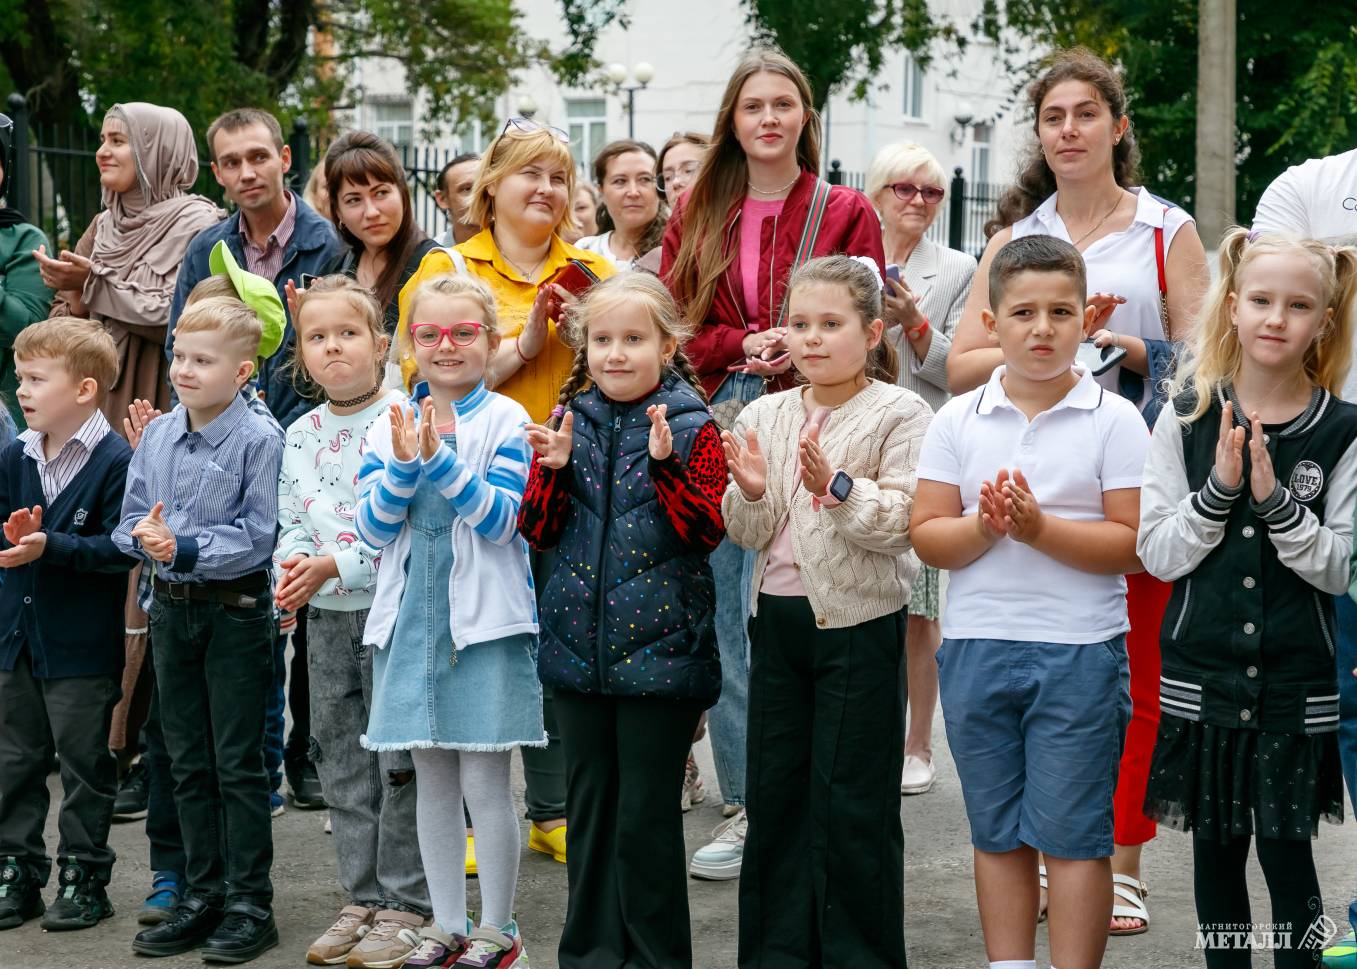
617 73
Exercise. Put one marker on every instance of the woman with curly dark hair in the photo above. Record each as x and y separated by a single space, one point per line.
1147 277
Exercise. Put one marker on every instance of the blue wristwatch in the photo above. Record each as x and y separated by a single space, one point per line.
840 485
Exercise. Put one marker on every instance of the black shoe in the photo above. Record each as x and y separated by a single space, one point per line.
190 926
81 901
304 784
133 792
20 894
245 933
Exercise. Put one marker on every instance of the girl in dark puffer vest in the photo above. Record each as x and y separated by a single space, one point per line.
626 487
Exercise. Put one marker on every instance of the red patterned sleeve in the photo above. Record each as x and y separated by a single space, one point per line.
691 496
546 503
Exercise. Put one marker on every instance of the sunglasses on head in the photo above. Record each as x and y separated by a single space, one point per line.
905 191
527 126
462 333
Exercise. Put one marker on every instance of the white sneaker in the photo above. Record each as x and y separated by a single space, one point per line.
720 860
917 777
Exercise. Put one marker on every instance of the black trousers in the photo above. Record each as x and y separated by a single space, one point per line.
69 717
1222 897
162 817
214 670
624 762
822 883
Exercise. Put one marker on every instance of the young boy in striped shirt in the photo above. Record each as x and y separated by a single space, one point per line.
202 507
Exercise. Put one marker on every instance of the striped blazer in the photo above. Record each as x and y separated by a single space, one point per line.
940 279
490 588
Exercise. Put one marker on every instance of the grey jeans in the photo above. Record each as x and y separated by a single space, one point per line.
373 822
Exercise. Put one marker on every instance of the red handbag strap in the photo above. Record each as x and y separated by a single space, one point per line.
1159 259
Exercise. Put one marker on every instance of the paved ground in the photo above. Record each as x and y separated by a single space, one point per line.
942 927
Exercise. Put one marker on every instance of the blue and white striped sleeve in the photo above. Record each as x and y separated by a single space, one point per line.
385 490
488 505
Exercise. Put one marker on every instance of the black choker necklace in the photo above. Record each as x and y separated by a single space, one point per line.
361 399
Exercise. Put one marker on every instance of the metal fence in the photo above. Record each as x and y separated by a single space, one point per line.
961 223
56 183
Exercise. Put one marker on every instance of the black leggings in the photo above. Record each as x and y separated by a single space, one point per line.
1223 902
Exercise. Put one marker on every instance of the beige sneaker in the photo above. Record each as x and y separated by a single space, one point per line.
393 936
332 948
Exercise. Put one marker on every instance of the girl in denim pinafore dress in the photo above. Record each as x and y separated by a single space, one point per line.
454 619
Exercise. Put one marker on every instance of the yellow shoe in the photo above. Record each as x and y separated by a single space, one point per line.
548 842
471 856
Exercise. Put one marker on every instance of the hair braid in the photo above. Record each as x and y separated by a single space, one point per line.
579 376
685 369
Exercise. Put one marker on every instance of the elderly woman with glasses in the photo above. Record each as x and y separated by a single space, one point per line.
926 287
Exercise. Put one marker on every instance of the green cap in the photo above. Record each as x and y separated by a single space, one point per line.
257 293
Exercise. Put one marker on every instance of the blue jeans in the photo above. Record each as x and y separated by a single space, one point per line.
733 569
274 722
1346 612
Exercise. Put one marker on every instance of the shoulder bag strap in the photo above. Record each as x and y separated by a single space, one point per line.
810 233
1163 278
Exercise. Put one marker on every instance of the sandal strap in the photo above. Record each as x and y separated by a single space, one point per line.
1129 890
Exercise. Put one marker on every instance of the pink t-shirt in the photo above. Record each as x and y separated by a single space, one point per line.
752 214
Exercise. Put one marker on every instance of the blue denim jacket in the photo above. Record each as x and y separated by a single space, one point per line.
313 249
1161 355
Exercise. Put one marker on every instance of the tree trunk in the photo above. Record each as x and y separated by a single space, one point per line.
1215 202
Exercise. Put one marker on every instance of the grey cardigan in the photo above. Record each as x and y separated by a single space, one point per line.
940 279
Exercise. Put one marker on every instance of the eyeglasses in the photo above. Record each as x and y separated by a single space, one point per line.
527 126
905 191
687 168
462 333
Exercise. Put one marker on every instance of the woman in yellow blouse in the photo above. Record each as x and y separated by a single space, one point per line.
521 200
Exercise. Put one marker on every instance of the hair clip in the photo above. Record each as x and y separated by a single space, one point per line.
558 410
1251 236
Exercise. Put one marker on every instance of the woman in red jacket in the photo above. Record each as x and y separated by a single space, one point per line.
756 209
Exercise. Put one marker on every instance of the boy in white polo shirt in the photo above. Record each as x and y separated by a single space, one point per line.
1029 495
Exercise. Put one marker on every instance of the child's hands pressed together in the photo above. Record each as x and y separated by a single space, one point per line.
661 437
1262 478
155 535
1229 450
991 514
303 575
815 468
747 464
553 447
139 414
404 446
1023 517
428 431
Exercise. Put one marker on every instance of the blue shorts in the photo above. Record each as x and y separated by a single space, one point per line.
1036 730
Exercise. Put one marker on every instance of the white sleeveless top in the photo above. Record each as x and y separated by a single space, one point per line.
1122 263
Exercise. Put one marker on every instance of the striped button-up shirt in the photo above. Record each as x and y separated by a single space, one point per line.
267 260
220 489
57 473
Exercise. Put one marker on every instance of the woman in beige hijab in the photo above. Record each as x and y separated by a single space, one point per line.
124 267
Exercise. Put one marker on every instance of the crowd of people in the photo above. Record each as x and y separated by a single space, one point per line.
679 446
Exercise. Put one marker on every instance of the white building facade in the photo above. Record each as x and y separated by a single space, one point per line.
962 107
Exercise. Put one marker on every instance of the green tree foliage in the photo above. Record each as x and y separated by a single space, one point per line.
1296 83
845 42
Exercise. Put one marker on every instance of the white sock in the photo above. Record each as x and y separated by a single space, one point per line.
1015 964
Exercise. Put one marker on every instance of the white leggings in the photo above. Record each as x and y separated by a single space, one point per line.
446 778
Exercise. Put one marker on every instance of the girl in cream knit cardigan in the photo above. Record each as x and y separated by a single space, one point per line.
823 488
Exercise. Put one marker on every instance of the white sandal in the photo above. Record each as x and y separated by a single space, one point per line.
1133 893
1045 887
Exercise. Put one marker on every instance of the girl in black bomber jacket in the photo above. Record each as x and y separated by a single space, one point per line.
626 489
1247 507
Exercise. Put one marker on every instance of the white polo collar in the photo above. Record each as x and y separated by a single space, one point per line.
1087 394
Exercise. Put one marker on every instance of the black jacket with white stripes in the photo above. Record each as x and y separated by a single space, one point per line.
1248 636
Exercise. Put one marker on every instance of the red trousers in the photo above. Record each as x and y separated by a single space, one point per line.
1146 599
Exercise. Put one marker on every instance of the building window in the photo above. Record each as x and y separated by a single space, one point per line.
472 138
914 87
588 119
394 120
982 132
